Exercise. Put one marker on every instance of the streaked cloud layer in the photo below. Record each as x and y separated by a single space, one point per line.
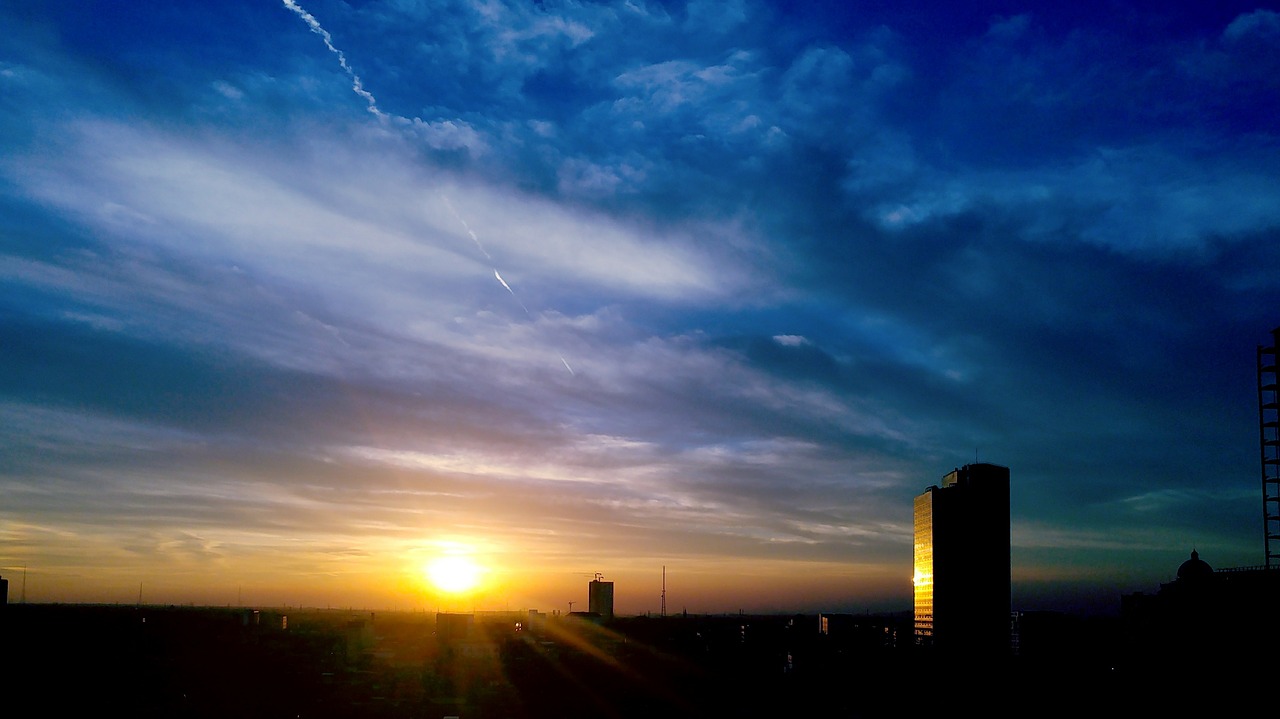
298 294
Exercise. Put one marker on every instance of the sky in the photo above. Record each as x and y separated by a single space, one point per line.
297 297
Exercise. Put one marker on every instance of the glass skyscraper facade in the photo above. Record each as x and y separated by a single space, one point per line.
961 562
922 579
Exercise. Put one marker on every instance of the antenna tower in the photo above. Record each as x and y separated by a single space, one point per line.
664 590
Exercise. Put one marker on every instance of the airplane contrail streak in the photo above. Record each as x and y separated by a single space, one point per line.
504 282
513 292
467 227
358 87
497 275
356 84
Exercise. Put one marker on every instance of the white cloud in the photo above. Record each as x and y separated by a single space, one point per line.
448 135
227 90
1141 199
224 200
583 178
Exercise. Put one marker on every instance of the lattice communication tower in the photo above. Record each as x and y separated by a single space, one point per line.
1269 433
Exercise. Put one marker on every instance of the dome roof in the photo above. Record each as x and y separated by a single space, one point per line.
1194 568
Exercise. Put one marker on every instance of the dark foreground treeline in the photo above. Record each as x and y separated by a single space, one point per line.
77 660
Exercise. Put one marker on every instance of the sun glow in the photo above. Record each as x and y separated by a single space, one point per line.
454 574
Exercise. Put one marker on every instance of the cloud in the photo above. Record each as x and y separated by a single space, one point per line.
1138 199
449 135
1262 25
160 188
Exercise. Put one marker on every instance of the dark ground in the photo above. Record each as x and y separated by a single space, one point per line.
80 660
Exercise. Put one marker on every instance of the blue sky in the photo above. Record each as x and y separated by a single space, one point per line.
297 295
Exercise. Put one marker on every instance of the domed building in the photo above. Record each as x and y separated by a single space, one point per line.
1205 620
1195 569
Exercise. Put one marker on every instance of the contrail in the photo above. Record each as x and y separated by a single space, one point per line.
356 85
504 282
474 239
526 311
497 275
513 292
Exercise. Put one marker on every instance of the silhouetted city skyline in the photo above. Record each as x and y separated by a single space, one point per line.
186 661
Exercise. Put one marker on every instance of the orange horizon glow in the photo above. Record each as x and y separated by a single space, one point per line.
545 588
498 574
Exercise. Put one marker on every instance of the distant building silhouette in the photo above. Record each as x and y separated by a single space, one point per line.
600 597
1218 623
451 627
1204 622
961 557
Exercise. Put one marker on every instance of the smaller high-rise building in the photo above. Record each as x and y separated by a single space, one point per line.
600 597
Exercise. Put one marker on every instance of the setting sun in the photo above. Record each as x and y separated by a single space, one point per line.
454 574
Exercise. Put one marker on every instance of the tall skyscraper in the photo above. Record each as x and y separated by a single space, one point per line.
961 559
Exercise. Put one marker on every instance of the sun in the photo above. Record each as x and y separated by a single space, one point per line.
454 574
